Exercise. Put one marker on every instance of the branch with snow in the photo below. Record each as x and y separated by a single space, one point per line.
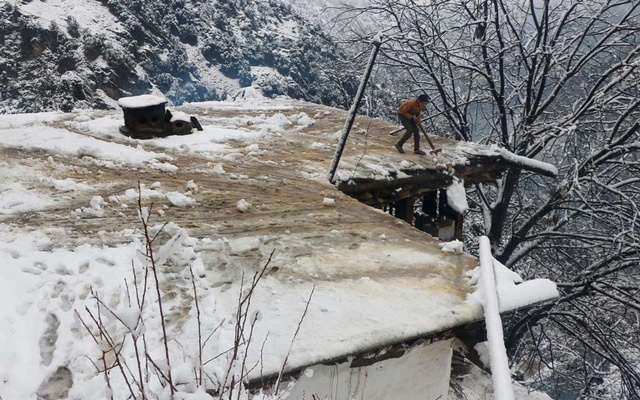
529 164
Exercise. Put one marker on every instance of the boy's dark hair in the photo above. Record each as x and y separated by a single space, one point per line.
423 98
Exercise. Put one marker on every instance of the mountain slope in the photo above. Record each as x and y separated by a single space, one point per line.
57 55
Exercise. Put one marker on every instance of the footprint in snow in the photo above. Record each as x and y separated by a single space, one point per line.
48 339
83 267
105 261
31 270
66 302
63 270
65 299
40 265
13 253
58 288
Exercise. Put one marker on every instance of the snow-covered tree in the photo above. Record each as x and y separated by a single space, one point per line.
556 81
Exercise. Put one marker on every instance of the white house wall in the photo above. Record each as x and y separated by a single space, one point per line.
423 372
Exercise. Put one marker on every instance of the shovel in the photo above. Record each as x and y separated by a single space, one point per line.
396 131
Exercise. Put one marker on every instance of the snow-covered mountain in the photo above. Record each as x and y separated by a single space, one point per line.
323 10
57 54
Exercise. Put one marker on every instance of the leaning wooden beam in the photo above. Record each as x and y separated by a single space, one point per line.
377 41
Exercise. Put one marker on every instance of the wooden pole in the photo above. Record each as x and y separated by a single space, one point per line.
433 149
377 41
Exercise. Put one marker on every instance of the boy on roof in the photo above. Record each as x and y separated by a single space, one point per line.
409 114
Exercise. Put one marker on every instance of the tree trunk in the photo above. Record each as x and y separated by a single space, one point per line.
500 209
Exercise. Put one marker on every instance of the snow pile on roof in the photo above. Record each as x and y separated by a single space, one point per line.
513 293
180 116
69 143
455 246
180 200
142 101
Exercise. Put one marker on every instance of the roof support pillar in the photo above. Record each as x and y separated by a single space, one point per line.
377 41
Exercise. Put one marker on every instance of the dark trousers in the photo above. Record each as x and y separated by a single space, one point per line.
412 128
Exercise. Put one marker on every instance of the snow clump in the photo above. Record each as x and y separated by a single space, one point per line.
180 200
455 247
96 202
243 205
457 196
218 169
252 149
301 119
328 202
191 187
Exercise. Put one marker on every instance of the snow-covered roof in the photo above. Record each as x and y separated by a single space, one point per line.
250 190
142 101
180 116
373 172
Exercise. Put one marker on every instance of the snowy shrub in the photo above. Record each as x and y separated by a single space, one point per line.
93 45
165 81
73 28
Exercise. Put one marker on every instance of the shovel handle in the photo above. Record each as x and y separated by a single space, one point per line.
433 148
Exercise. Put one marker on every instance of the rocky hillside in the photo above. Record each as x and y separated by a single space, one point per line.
60 55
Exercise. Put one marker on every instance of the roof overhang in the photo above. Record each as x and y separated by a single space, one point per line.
414 182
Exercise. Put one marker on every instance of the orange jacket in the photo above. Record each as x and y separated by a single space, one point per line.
410 108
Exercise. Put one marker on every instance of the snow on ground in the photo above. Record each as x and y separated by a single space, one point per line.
342 278
84 13
60 141
19 195
21 120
